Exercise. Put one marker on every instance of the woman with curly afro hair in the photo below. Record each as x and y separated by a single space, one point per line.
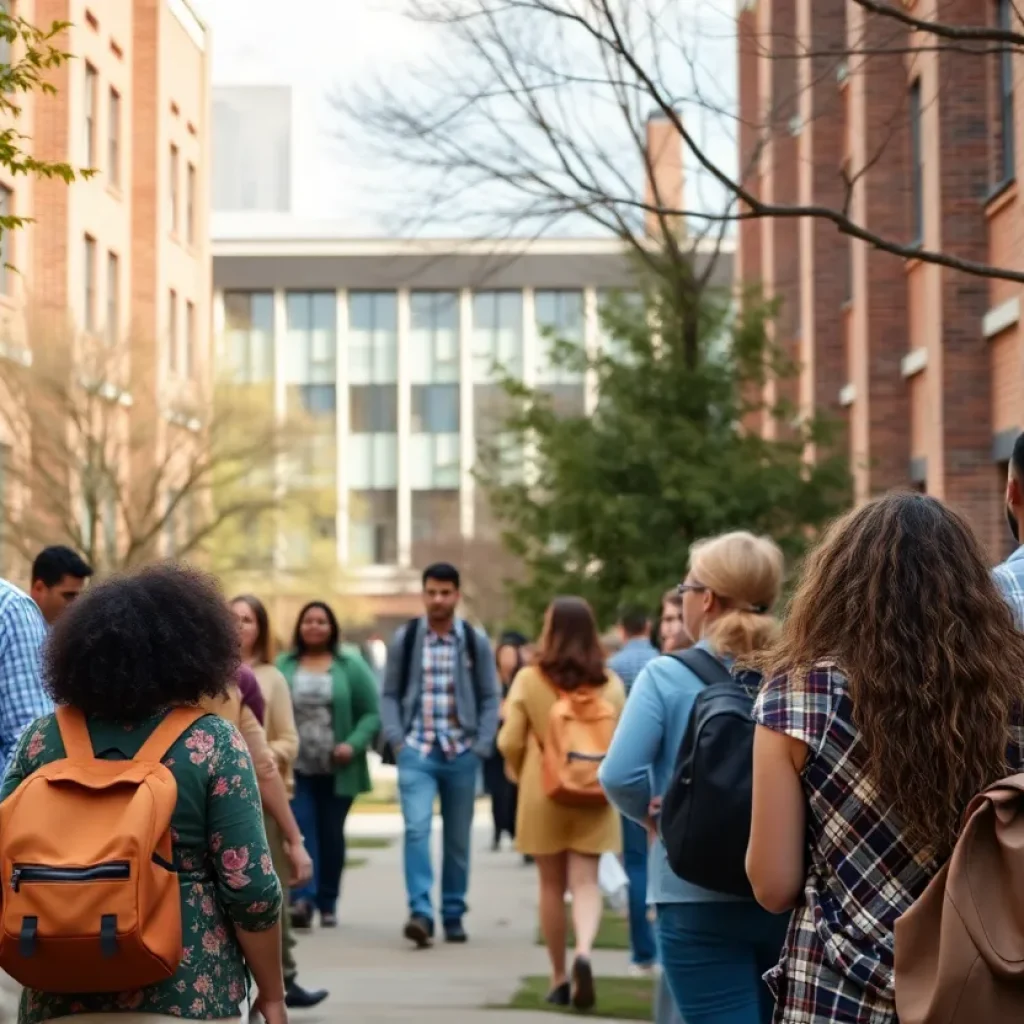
895 696
125 654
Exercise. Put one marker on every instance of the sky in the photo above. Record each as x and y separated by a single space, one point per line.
321 48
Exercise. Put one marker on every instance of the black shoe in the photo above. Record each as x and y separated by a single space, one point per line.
420 930
583 994
298 998
559 996
302 915
454 932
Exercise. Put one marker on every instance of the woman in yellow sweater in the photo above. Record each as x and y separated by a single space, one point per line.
283 740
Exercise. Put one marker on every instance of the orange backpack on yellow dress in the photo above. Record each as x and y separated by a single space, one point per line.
579 733
92 900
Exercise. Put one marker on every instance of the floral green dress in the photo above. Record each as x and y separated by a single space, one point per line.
220 851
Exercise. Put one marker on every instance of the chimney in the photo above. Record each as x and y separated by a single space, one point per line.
663 182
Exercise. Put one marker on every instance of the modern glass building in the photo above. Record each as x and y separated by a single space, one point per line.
388 349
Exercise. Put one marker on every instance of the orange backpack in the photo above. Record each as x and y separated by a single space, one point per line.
579 733
92 901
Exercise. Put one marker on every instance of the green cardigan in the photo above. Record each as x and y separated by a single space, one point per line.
356 715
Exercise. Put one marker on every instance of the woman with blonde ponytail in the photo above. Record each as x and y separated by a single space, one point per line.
714 947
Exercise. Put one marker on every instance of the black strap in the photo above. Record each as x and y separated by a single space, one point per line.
703 664
108 935
27 940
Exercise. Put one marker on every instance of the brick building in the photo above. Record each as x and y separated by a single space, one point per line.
120 261
924 364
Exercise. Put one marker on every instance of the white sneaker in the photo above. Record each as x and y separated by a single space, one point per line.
643 970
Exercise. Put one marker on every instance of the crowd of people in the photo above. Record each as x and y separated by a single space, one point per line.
880 705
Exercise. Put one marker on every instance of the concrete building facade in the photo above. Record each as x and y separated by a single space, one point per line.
391 347
923 364
117 262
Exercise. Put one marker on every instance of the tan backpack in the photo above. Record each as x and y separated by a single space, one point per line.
91 897
579 732
960 947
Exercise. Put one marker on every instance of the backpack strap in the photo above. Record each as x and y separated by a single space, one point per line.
74 733
703 664
167 733
408 643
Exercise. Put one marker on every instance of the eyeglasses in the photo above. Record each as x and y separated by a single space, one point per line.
691 588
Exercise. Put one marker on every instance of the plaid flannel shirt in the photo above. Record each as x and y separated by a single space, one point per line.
837 964
1009 578
22 697
437 720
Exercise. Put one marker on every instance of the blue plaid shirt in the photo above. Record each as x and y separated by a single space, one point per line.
22 697
1009 579
437 720
628 663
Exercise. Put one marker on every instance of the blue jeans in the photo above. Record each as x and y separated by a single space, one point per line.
634 860
320 814
421 780
713 956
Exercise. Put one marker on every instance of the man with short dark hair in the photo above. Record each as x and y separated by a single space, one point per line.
58 577
1009 576
627 664
439 714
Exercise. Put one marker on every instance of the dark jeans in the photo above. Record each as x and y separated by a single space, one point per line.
713 956
321 815
634 861
504 797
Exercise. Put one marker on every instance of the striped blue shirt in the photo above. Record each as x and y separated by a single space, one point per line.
22 697
628 663
1009 579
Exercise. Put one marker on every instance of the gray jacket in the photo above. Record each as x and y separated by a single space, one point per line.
400 699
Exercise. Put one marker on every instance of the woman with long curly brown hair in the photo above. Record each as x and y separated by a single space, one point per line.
895 697
565 841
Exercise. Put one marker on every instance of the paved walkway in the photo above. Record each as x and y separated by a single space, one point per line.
374 975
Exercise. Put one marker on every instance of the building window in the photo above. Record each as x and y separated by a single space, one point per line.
434 337
1007 169
91 87
559 319
113 298
190 339
6 210
373 527
435 524
916 163
497 335
612 344
173 190
190 204
89 275
373 338
249 329
114 139
311 352
172 330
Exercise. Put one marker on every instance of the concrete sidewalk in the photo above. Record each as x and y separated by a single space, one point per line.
376 977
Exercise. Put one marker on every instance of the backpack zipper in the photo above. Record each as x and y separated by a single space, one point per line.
576 756
111 871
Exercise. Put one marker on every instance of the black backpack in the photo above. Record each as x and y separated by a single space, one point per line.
705 812
408 643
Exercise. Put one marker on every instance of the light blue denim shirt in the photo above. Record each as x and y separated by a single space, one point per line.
640 762
1009 579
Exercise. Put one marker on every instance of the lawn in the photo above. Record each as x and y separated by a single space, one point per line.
368 843
617 998
354 862
613 933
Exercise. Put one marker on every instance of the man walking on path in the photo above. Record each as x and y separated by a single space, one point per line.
1009 576
637 650
439 715
22 697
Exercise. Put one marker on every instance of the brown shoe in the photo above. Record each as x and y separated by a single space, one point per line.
583 993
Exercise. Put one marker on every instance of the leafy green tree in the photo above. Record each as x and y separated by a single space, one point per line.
612 500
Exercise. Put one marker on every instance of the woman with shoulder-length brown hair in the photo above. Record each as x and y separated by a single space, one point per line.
894 696
565 841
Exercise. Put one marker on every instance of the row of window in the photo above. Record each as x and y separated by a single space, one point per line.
114 157
180 350
310 351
